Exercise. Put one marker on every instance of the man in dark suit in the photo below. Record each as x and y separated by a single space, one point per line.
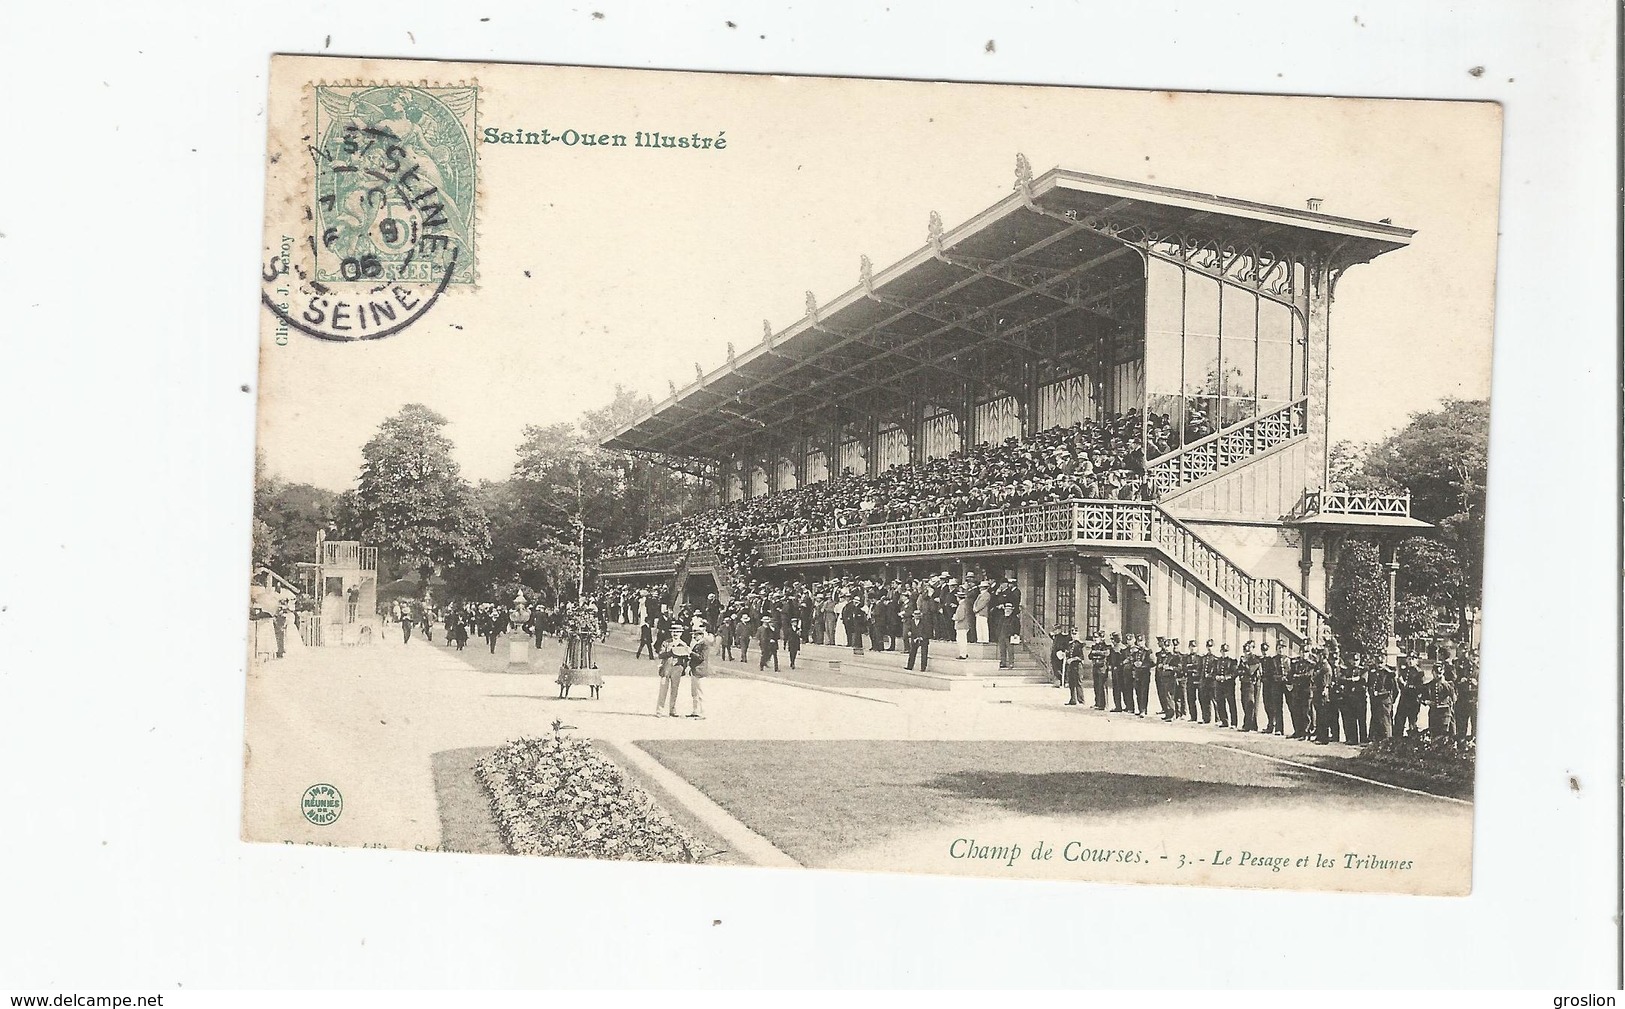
792 639
767 640
917 629
1007 604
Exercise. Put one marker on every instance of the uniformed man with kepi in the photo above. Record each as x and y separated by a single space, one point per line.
1224 689
1139 674
1207 671
1181 662
1383 684
1467 699
1167 664
1099 659
1117 664
1251 676
1274 671
1193 682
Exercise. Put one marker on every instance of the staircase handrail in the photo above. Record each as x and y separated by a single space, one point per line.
1038 640
1254 595
1168 472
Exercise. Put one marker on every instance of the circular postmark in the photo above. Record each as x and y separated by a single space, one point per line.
321 804
389 222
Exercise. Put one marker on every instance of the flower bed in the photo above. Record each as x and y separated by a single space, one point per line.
559 796
1439 760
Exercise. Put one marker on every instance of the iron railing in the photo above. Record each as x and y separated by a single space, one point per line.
1061 523
1236 443
1084 524
349 554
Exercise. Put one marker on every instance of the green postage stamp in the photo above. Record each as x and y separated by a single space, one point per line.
395 183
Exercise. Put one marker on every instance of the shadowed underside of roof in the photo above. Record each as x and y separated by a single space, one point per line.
1052 274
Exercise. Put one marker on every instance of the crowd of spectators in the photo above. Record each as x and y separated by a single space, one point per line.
903 614
1089 460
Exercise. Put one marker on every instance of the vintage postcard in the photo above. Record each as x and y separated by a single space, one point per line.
1027 482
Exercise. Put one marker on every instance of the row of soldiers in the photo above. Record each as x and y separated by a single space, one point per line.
1320 695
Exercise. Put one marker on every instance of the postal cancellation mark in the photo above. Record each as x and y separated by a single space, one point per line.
391 213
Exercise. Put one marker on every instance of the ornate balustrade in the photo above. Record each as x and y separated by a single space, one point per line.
1353 502
641 564
977 532
1119 524
1067 523
664 563
1234 444
349 554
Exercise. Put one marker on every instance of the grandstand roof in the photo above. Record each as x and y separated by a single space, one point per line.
1045 276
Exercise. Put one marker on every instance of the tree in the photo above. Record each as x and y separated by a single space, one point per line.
1442 458
411 500
1345 468
1358 599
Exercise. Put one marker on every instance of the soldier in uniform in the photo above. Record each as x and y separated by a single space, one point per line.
1116 663
1058 645
1167 665
1191 661
1180 663
1441 699
1100 655
1353 702
1224 689
1410 697
1300 696
1251 675
1382 683
1072 669
1139 673
1325 715
1273 670
1207 668
1467 700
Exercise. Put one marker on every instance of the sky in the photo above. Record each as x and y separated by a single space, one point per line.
606 267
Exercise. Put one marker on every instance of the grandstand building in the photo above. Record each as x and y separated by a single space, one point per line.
1205 321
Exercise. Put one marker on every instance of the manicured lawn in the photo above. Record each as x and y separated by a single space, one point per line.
818 800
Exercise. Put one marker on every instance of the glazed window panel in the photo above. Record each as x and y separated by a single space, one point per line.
1275 383
1164 325
1201 335
1164 424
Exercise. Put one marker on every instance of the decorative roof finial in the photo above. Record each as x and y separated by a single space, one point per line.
767 334
812 309
1024 178
671 387
934 230
866 274
699 373
730 353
